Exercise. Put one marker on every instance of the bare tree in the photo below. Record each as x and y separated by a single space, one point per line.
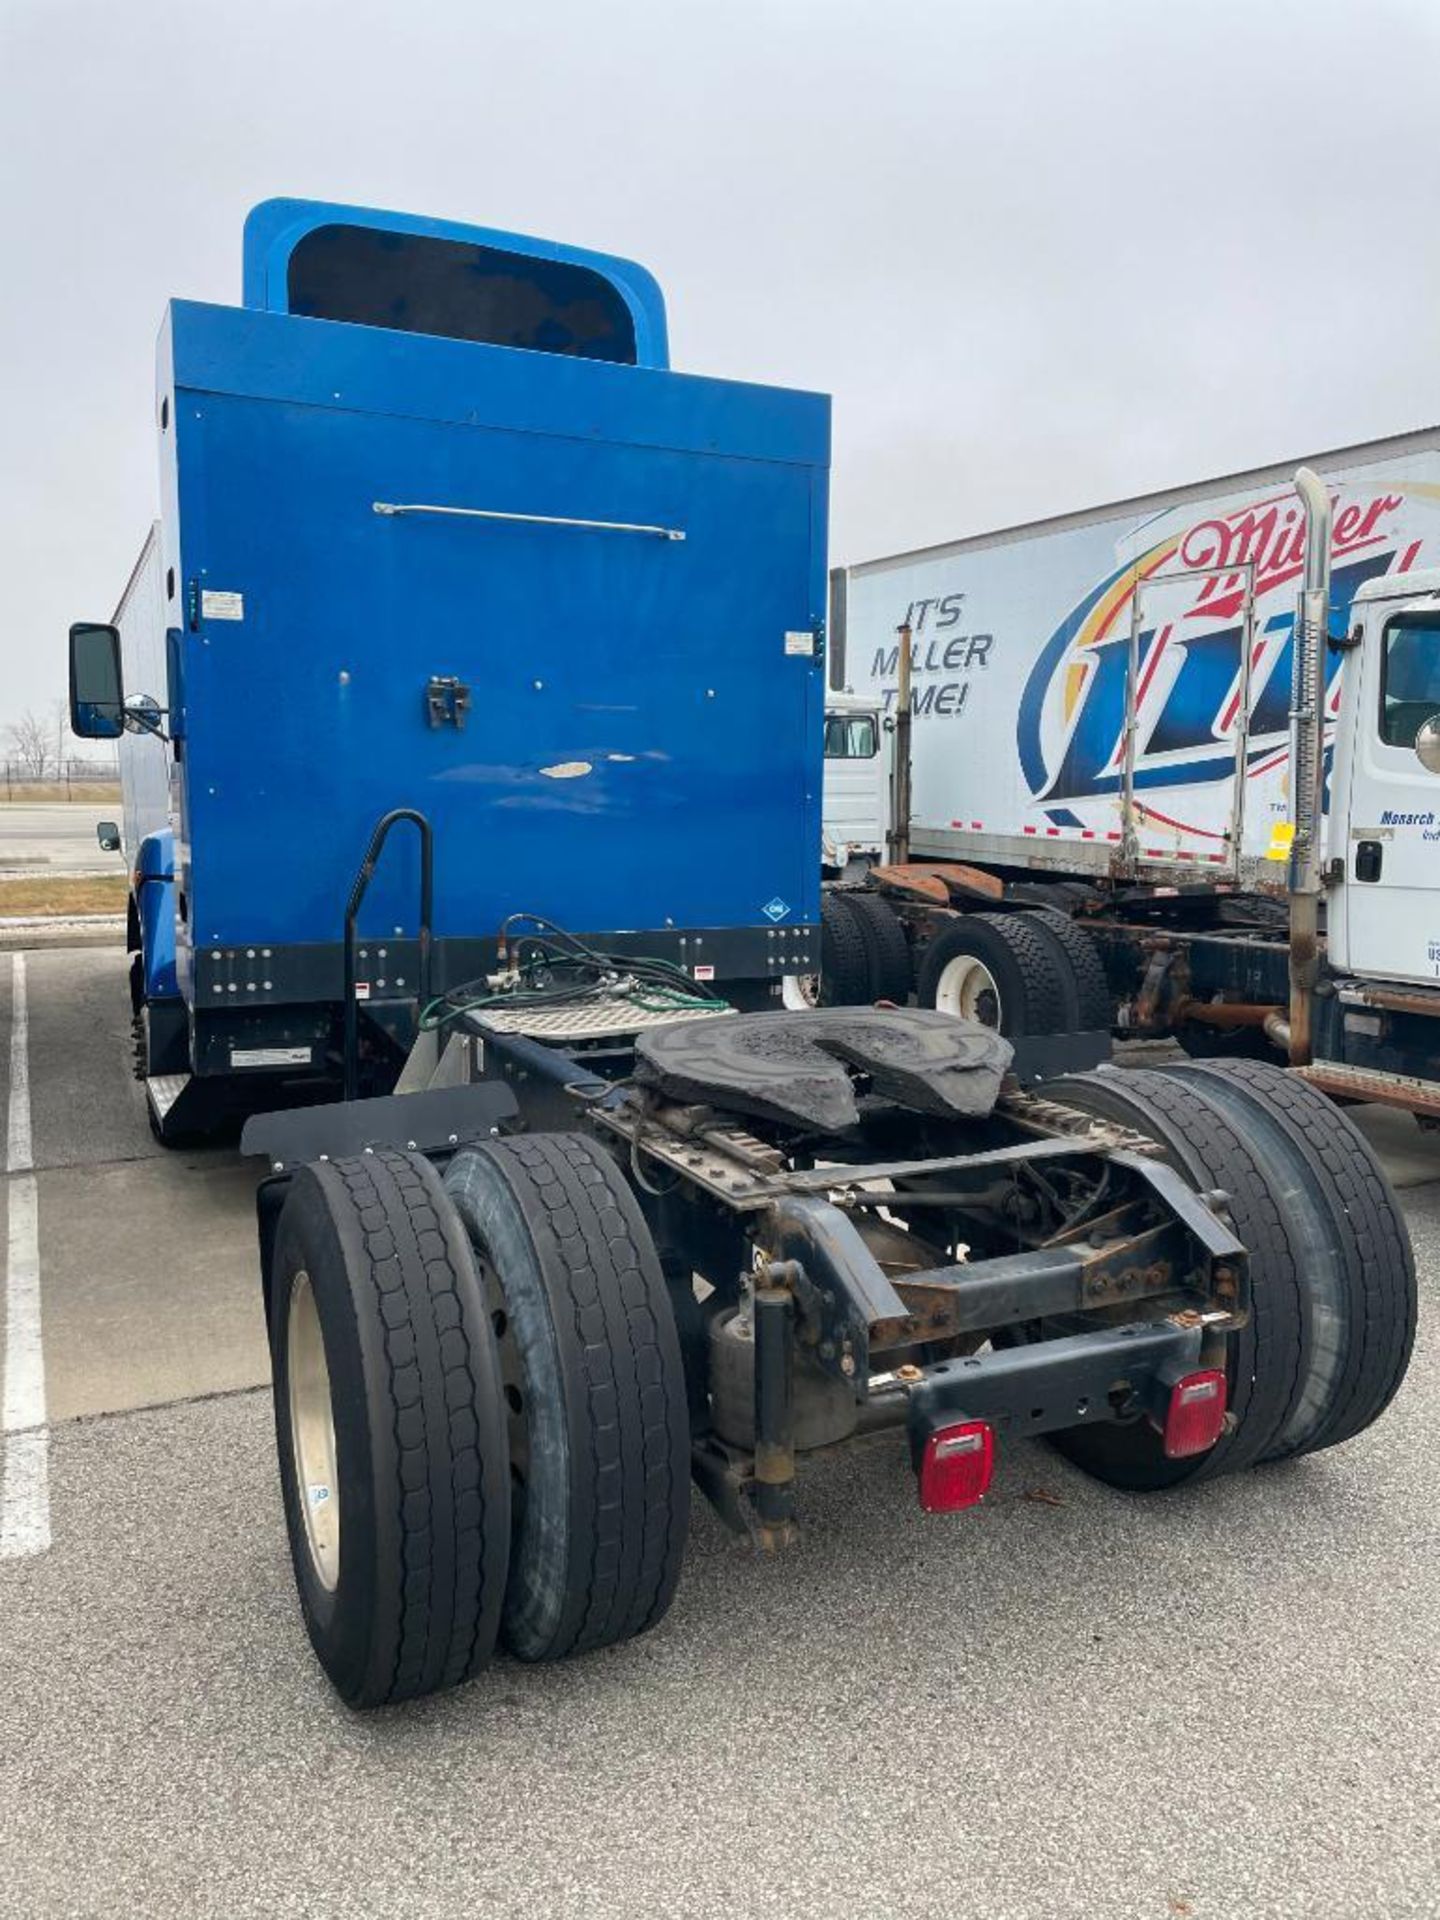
30 744
60 721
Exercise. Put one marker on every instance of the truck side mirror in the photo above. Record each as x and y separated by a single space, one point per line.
96 700
107 833
1427 744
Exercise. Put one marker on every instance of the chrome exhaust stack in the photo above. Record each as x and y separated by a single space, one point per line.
1307 763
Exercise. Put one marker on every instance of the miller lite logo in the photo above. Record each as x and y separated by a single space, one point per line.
1071 732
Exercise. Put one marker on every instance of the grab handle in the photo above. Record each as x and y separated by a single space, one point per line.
352 915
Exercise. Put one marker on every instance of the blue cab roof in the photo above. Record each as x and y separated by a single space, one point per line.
276 228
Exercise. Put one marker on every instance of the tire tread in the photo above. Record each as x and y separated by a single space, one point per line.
410 1265
1379 1263
844 957
628 1409
1093 1007
887 951
1037 961
436 1456
1271 1354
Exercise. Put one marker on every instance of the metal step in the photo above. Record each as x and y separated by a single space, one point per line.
165 1089
596 1019
1366 1083
1394 996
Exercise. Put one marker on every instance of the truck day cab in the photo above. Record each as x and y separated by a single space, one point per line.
554 1222
1117 741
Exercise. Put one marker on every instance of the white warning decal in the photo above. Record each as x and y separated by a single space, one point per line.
221 606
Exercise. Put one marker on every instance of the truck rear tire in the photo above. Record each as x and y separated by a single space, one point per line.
844 976
388 1423
594 1386
1087 989
999 969
1294 1369
1368 1242
887 951
844 957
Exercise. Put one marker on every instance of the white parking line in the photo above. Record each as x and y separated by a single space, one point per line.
25 1487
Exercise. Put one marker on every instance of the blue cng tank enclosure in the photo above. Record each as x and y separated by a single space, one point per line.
442 530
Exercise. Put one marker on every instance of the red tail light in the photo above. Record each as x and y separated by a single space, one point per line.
956 1465
1195 1418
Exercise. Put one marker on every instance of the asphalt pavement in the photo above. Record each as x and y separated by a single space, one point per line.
55 837
1070 1702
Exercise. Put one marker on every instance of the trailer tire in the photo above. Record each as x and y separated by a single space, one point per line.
595 1387
999 969
1093 1006
375 1306
887 951
844 956
1367 1240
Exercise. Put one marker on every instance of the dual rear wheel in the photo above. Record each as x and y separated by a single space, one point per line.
1022 974
864 956
481 1404
1332 1275
480 1412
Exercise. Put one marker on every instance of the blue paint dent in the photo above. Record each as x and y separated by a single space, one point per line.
659 667
275 228
155 904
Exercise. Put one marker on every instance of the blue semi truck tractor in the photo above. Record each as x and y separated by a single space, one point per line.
440 532
470 698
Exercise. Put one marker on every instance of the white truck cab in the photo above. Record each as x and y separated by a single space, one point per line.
1383 918
857 776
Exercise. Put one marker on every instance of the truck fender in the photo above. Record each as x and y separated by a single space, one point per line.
154 905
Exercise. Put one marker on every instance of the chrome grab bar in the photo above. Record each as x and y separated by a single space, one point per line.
391 508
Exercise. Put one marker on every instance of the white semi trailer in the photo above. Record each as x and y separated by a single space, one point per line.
1108 714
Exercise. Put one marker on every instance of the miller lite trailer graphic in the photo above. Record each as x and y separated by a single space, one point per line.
1110 690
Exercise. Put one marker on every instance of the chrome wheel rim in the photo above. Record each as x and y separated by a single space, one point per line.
312 1433
966 988
800 990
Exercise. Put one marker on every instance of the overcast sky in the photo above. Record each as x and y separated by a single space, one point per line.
1042 252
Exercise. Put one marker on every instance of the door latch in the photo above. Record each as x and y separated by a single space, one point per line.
447 700
1369 855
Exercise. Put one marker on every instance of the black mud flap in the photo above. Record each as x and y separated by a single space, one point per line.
438 1121
1048 1056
